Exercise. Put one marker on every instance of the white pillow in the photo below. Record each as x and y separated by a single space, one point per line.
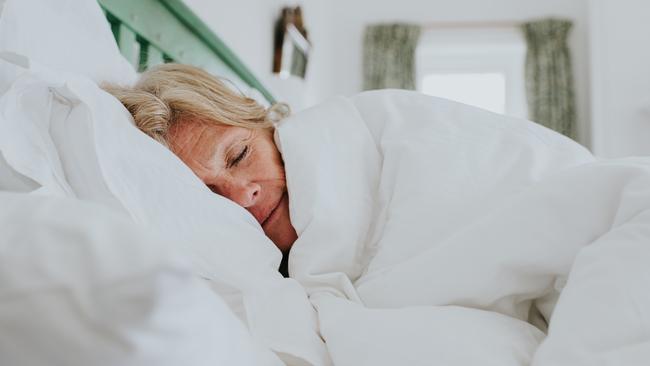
83 144
80 285
65 35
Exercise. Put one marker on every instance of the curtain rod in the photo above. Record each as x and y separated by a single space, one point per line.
481 24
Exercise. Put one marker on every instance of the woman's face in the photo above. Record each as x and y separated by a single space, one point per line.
243 165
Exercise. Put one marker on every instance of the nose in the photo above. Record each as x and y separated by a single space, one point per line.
242 192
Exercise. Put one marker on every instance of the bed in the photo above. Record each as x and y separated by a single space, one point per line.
430 232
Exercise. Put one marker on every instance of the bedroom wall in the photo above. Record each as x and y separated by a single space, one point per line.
620 45
244 25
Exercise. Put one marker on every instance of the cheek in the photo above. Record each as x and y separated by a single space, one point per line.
268 165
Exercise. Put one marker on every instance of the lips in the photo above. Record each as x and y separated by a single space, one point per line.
271 214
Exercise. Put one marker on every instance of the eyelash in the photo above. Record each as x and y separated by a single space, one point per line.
239 157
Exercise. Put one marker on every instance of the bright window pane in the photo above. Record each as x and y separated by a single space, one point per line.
484 90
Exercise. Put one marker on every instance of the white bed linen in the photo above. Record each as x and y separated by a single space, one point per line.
83 144
65 35
404 200
82 285
68 36
603 315
387 175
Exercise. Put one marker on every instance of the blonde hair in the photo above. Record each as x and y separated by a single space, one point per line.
170 93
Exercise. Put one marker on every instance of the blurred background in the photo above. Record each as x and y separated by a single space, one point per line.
581 67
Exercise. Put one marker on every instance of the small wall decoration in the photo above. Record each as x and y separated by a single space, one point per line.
291 45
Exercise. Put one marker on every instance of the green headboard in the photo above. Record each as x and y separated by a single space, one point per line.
150 32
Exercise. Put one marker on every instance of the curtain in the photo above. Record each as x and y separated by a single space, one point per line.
549 77
389 56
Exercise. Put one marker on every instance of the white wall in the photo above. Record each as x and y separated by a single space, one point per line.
246 26
620 44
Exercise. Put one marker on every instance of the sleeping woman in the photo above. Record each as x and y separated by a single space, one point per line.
223 136
400 199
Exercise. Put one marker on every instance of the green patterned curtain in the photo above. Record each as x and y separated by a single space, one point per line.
549 78
389 56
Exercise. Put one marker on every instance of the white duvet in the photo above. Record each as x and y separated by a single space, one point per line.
436 233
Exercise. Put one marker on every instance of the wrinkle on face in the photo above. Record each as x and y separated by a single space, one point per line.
257 182
191 141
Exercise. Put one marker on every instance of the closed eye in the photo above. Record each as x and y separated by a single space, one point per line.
239 157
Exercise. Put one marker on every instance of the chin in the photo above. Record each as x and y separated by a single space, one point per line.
278 226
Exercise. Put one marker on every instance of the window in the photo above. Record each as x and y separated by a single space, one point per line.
481 67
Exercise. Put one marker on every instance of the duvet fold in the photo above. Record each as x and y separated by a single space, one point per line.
409 206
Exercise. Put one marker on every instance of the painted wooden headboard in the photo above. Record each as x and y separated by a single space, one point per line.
150 32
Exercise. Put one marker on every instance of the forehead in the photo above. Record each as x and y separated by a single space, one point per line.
197 142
